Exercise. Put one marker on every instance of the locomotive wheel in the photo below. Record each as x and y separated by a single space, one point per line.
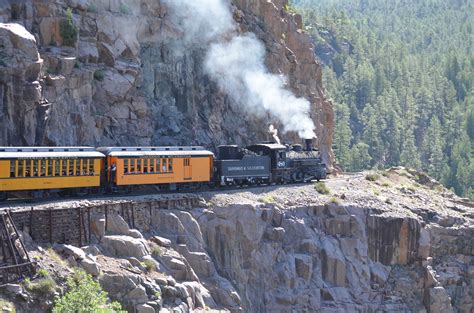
297 177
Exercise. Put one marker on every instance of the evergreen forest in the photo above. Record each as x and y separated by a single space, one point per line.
400 74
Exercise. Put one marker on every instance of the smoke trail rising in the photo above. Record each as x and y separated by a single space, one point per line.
237 64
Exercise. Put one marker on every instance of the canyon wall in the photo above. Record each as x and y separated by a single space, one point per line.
389 245
127 80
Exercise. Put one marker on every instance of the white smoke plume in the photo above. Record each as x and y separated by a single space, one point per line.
237 64
274 132
202 21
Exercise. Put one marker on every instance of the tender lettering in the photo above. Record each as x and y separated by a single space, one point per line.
246 168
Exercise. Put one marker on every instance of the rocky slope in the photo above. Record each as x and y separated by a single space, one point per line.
127 81
393 241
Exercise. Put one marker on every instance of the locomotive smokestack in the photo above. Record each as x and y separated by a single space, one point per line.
309 144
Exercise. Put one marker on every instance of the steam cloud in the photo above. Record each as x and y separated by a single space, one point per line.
237 63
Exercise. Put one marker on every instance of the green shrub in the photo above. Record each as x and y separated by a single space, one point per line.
43 286
124 9
156 249
99 75
372 177
56 257
267 199
149 265
84 295
321 188
42 272
334 200
68 30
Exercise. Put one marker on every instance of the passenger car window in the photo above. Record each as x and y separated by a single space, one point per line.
21 168
12 168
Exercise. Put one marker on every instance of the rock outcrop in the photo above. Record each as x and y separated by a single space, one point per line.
392 242
123 81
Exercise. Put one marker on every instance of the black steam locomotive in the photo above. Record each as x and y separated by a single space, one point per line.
268 163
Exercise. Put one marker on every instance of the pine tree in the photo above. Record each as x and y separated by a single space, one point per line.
360 157
410 156
342 136
432 149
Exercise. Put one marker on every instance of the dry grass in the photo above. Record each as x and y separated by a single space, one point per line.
267 199
322 188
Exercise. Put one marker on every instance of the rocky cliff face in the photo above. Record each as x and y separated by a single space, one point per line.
395 241
125 81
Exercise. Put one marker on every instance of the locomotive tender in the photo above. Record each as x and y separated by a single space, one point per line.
81 170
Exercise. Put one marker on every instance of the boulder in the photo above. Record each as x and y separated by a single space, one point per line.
135 233
92 250
138 295
200 262
125 246
118 285
145 308
90 267
116 225
161 241
74 252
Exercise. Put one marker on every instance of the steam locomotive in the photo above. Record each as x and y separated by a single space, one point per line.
268 163
39 171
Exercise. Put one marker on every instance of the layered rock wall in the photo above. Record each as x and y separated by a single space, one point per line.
366 247
128 81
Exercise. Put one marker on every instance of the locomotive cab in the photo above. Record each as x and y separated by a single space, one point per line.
276 152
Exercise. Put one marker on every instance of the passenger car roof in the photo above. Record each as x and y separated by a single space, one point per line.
49 152
155 151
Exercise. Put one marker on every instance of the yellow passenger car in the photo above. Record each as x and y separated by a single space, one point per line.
158 165
42 168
